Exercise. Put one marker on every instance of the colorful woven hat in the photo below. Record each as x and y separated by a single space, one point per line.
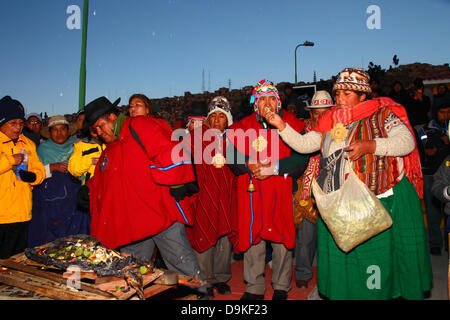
264 88
355 79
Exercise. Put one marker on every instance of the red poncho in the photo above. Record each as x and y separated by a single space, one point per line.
212 205
266 213
129 193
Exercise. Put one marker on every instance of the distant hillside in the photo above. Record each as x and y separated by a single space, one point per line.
408 72
403 73
173 107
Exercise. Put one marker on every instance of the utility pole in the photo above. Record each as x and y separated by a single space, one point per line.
203 80
82 89
209 81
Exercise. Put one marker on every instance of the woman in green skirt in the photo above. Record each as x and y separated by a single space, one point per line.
377 137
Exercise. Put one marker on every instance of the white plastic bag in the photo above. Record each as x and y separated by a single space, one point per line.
353 214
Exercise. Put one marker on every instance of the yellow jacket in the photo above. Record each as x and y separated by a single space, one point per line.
80 162
15 195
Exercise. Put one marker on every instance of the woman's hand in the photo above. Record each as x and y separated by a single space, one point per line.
359 148
275 120
58 166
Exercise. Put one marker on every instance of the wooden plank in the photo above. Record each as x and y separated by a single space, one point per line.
189 297
168 279
109 284
155 289
190 281
50 276
22 258
45 287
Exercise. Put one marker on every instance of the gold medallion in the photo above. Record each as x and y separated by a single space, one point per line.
259 144
219 160
339 132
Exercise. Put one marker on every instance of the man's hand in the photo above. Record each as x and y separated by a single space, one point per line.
275 120
359 148
18 158
261 171
58 166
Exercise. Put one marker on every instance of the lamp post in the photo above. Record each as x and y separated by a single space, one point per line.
82 89
304 44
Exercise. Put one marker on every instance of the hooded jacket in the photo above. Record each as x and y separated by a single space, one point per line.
15 195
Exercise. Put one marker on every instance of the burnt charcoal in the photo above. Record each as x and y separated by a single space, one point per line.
117 267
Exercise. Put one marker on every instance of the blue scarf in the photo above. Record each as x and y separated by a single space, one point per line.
51 152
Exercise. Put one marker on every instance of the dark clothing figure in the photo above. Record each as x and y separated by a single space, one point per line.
399 94
54 210
442 98
33 136
434 138
418 109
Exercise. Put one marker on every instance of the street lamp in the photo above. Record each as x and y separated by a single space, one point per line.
304 44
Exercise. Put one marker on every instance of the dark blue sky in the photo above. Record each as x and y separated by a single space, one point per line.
160 48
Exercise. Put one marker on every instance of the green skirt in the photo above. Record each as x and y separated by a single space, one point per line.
394 263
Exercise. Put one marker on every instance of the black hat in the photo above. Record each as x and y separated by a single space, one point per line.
97 108
198 109
10 110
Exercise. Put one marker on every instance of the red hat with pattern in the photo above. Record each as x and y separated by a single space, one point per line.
321 99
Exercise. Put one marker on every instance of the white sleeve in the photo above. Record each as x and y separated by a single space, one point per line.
302 143
48 173
400 142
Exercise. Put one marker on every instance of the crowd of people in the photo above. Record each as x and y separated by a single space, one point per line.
226 174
